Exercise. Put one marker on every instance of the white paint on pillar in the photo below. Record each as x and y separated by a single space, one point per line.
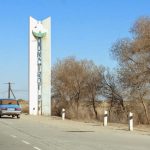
33 96
46 68
130 121
45 89
63 114
105 118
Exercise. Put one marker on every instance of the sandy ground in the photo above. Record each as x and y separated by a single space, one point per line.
93 126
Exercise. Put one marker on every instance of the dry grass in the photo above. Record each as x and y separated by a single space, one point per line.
24 106
86 113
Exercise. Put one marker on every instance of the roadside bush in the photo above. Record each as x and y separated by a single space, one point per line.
86 113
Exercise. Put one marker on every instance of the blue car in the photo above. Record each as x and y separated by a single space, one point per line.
10 107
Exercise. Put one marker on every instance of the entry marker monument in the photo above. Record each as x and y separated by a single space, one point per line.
39 67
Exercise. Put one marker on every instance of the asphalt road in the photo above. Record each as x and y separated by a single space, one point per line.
45 133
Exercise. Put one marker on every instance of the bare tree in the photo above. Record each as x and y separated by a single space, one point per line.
94 83
69 78
113 92
133 56
77 81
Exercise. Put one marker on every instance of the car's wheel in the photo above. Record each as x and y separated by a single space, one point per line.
0 116
18 116
13 116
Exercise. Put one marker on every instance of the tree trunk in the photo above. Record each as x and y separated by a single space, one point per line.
77 104
109 118
94 108
77 115
145 110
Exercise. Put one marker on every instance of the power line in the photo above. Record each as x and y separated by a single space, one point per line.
20 90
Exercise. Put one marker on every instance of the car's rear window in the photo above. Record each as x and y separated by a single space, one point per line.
9 102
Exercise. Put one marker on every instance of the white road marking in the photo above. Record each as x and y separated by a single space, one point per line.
14 136
25 142
36 148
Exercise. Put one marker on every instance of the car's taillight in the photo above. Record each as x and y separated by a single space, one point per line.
4 108
18 109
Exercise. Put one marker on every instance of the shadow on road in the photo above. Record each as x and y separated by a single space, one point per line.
7 118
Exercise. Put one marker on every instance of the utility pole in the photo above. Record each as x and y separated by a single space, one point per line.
9 87
10 91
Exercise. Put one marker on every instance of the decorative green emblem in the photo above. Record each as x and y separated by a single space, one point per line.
39 31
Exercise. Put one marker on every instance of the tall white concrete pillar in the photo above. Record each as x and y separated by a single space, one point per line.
40 67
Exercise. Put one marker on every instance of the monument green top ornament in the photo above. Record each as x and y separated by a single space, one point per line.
39 31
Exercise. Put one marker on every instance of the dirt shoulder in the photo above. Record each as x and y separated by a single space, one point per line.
87 126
